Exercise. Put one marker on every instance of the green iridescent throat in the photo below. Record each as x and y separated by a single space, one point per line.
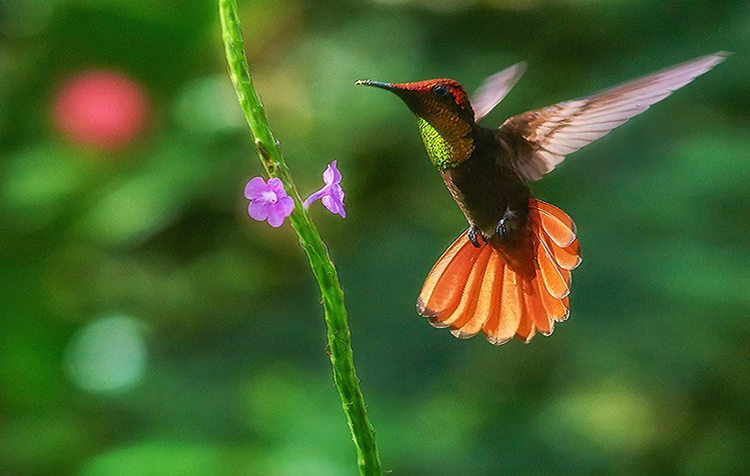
443 153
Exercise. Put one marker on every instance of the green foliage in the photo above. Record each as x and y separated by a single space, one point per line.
648 376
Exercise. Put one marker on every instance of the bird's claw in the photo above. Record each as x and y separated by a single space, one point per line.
502 229
506 226
474 237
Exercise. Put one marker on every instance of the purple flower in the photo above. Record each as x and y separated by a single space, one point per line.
268 201
332 195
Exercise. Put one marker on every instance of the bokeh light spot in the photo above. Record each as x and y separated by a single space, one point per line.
107 355
615 418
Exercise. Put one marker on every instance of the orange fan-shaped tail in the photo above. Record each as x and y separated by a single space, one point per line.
493 290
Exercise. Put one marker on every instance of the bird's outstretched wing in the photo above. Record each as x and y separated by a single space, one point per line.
494 89
543 138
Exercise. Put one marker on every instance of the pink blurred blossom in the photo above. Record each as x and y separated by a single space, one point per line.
105 110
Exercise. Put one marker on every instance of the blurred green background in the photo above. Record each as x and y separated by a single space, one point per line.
149 327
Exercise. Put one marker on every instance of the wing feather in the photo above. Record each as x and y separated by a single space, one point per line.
494 89
542 138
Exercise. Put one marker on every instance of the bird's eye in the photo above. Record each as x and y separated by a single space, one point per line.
440 90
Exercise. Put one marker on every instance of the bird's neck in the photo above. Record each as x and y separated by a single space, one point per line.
451 145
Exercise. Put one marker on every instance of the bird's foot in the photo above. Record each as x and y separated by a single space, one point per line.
507 226
475 235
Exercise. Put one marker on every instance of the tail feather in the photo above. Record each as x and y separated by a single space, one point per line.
505 322
554 222
535 308
466 308
492 323
556 309
471 289
526 328
568 258
556 279
445 284
471 323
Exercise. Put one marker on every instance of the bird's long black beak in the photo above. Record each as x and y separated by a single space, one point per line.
376 84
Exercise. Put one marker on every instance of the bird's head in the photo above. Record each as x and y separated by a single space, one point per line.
441 102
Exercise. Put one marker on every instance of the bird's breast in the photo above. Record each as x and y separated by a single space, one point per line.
485 186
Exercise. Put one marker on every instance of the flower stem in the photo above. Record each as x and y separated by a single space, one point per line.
339 338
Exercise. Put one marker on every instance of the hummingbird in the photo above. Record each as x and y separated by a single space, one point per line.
508 274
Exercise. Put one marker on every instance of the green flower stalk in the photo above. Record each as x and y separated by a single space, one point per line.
339 338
